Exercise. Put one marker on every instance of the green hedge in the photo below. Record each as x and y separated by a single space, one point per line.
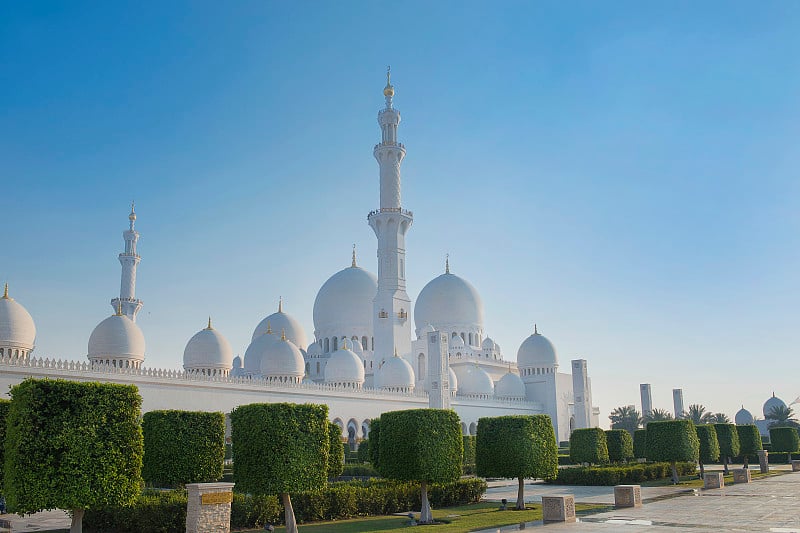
516 446
728 438
620 445
468 455
165 512
182 447
363 451
564 460
588 445
784 439
749 440
363 470
617 475
672 440
4 407
335 451
374 446
640 444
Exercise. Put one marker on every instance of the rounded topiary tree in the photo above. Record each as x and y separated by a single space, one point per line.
183 447
588 445
749 441
620 445
728 439
783 439
640 443
280 448
709 445
335 451
363 451
421 445
468 456
519 447
672 441
72 446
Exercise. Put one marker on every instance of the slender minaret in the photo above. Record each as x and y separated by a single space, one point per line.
392 328
438 371
129 260
647 398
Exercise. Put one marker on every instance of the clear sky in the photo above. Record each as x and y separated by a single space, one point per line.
623 174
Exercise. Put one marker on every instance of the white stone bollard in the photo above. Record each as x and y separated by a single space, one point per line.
763 461
713 481
627 496
795 466
558 508
209 507
742 475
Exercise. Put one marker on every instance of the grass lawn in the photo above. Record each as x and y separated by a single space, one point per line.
459 519
692 482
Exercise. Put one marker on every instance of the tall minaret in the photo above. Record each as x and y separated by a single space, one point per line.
392 328
129 259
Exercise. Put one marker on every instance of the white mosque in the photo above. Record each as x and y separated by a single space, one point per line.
364 357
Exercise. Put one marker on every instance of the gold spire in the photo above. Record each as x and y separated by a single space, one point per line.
209 323
447 264
5 293
119 307
354 256
280 304
283 334
388 91
269 328
132 216
344 343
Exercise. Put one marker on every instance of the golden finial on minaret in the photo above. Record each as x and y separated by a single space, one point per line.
119 307
269 328
388 91
5 292
344 343
447 264
132 216
354 256
209 323
283 334
280 304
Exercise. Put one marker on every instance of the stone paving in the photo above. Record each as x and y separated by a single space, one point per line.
44 521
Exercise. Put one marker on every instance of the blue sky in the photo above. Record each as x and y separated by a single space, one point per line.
624 175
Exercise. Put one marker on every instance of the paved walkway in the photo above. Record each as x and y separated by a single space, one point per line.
44 521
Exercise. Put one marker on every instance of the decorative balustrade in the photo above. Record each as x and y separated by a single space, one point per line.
391 210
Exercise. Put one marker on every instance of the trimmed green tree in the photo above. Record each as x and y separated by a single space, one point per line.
280 448
782 439
335 451
422 445
363 451
749 441
728 439
672 441
588 445
72 446
640 443
517 446
183 447
5 405
620 445
468 456
709 445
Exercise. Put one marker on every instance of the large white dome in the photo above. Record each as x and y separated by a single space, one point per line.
283 361
396 373
536 351
345 300
280 321
510 386
743 417
771 404
17 329
344 367
256 352
208 350
474 381
446 302
117 337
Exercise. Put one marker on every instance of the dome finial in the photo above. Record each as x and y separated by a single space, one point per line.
269 328
354 256
395 352
447 263
5 292
119 307
209 323
388 91
283 334
344 343
280 304
535 329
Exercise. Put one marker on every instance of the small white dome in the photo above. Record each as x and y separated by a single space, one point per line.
314 349
488 344
396 373
536 351
448 300
456 342
355 346
344 366
256 352
117 337
510 386
237 362
17 329
280 321
283 360
771 404
345 300
474 381
208 349
453 379
743 417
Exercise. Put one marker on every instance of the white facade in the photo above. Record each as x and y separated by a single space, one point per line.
363 360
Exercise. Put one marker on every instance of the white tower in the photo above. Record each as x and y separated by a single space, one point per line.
129 260
677 401
391 326
438 371
647 399
581 390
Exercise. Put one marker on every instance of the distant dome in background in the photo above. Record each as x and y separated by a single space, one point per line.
474 381
510 387
536 351
280 321
282 361
344 368
256 352
743 417
117 339
208 351
771 403
17 330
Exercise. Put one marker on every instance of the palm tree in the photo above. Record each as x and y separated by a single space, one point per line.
656 415
719 418
781 416
697 413
625 417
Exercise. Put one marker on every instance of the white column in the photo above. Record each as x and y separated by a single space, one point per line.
438 371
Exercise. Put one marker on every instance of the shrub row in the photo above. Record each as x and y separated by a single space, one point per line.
616 475
359 470
165 512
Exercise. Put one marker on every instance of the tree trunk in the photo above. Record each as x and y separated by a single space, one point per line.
702 471
521 495
725 465
77 521
291 525
425 516
675 473
746 462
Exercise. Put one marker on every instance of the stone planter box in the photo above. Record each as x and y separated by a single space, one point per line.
627 496
713 481
558 508
741 475
795 466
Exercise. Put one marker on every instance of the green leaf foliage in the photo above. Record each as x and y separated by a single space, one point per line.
619 474
709 445
672 440
749 439
424 445
72 445
588 445
783 440
280 447
516 447
640 444
620 445
728 439
183 447
374 443
335 452
5 405
363 451
468 456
